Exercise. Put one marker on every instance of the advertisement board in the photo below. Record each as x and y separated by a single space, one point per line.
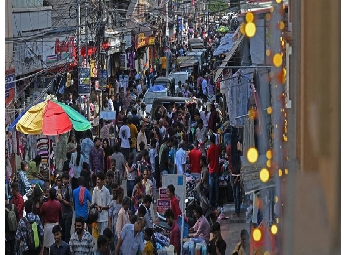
84 87
163 193
163 205
102 77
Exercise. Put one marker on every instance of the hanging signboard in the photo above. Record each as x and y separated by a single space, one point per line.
163 205
163 193
151 40
102 77
9 86
84 87
123 61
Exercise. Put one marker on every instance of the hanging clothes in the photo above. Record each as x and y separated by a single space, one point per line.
248 135
61 150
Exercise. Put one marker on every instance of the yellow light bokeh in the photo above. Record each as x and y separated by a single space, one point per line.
285 138
257 235
268 16
269 110
250 29
274 229
268 163
277 220
276 199
268 52
264 175
252 155
280 172
242 28
267 253
286 171
278 1
271 9
281 25
249 17
269 154
277 60
251 114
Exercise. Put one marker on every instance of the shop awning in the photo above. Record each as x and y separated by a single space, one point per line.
229 56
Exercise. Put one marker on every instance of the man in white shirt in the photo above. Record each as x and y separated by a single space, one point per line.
205 116
139 89
125 135
110 103
204 86
180 159
101 197
162 129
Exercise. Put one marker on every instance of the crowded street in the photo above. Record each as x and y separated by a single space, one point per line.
149 128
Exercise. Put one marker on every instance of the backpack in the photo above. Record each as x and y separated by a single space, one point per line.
32 238
12 219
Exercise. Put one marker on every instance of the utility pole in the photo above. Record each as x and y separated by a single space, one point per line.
87 57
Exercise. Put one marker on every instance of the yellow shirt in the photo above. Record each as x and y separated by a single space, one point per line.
148 249
134 134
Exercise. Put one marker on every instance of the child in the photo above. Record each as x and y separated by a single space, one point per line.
86 174
148 249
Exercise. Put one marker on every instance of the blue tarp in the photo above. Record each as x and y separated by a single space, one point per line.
157 87
225 45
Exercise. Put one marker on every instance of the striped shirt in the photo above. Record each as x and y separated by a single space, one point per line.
83 246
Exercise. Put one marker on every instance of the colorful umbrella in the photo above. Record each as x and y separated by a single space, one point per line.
50 117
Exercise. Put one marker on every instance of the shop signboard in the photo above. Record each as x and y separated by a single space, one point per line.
9 86
123 61
250 174
163 205
163 193
151 41
179 182
84 87
102 77
141 41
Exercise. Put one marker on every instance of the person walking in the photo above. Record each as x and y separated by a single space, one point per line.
17 199
123 217
96 160
76 163
194 160
10 230
22 231
180 159
125 135
65 198
51 211
131 238
213 154
133 135
114 209
81 241
80 197
120 160
101 199
59 247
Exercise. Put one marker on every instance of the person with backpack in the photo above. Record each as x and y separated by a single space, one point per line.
51 211
29 232
11 224
17 199
65 198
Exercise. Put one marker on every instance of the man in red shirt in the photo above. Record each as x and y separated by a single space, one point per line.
175 232
174 203
194 160
17 199
213 154
51 211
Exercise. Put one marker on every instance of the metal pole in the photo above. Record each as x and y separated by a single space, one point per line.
78 37
87 59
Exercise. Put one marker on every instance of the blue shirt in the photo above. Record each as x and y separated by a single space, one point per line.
172 154
81 210
23 184
131 243
63 249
